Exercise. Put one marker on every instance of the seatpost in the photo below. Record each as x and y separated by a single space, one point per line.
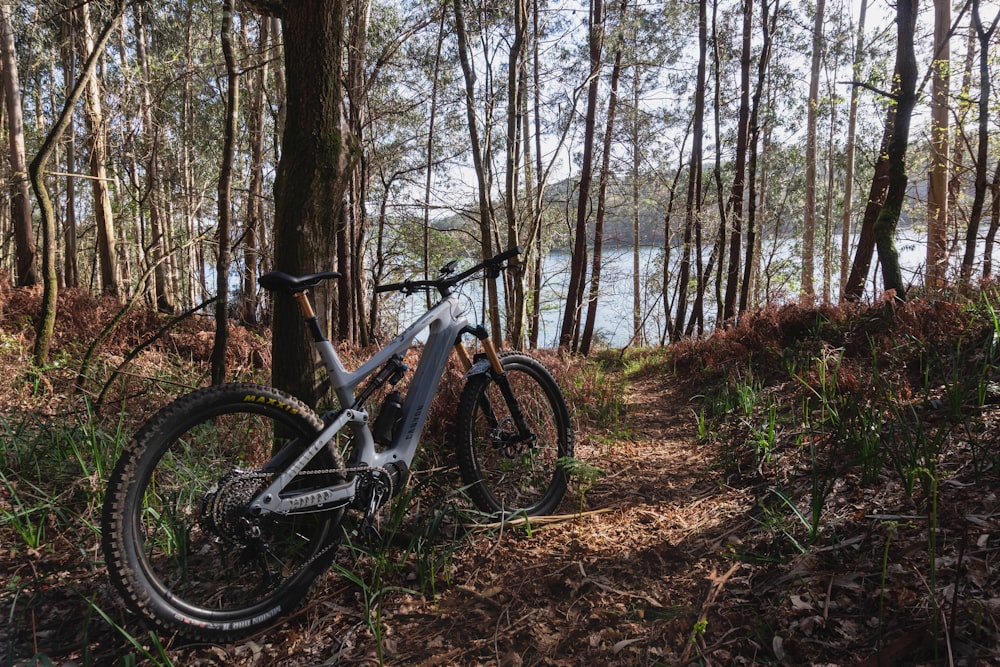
302 298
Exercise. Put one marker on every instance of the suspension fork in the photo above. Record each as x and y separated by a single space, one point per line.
499 376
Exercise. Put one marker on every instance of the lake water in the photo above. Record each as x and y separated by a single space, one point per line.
613 322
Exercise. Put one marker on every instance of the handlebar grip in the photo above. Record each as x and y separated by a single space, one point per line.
391 287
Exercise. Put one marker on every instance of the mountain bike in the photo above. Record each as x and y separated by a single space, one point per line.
229 502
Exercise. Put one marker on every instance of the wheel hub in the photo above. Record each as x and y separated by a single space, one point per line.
224 507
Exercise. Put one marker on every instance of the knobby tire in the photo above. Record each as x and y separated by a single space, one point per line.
174 539
506 477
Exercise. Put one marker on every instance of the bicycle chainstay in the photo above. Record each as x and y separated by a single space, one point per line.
375 487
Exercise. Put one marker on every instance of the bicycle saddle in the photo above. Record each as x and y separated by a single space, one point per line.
276 280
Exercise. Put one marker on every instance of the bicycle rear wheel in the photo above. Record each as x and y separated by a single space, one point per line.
509 472
178 546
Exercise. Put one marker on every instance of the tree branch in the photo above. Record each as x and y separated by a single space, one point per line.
267 7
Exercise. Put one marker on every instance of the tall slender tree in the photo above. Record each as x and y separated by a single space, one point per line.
937 195
985 36
736 198
225 190
36 169
97 149
586 339
481 163
162 289
767 25
852 125
692 210
809 225
568 333
20 202
905 95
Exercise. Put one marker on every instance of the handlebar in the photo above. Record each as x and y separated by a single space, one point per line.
493 266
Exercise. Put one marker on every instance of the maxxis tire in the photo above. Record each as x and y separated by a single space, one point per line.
144 552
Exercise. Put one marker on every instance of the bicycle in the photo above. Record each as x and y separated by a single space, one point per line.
229 502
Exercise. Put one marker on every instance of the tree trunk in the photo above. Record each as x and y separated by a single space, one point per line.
767 26
602 195
831 157
482 166
937 196
578 264
71 269
20 202
317 156
865 248
959 143
514 277
693 205
971 237
225 196
739 168
852 125
97 150
637 333
163 290
47 317
991 234
809 225
425 245
536 218
905 95
351 325
255 197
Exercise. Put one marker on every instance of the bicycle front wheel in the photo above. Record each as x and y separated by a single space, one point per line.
509 471
179 546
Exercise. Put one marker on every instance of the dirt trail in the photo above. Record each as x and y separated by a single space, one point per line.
626 583
669 564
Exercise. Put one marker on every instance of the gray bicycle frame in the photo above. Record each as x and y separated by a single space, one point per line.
445 323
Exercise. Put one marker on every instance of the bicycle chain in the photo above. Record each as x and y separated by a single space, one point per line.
333 544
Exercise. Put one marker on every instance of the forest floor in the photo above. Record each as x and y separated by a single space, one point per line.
674 554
